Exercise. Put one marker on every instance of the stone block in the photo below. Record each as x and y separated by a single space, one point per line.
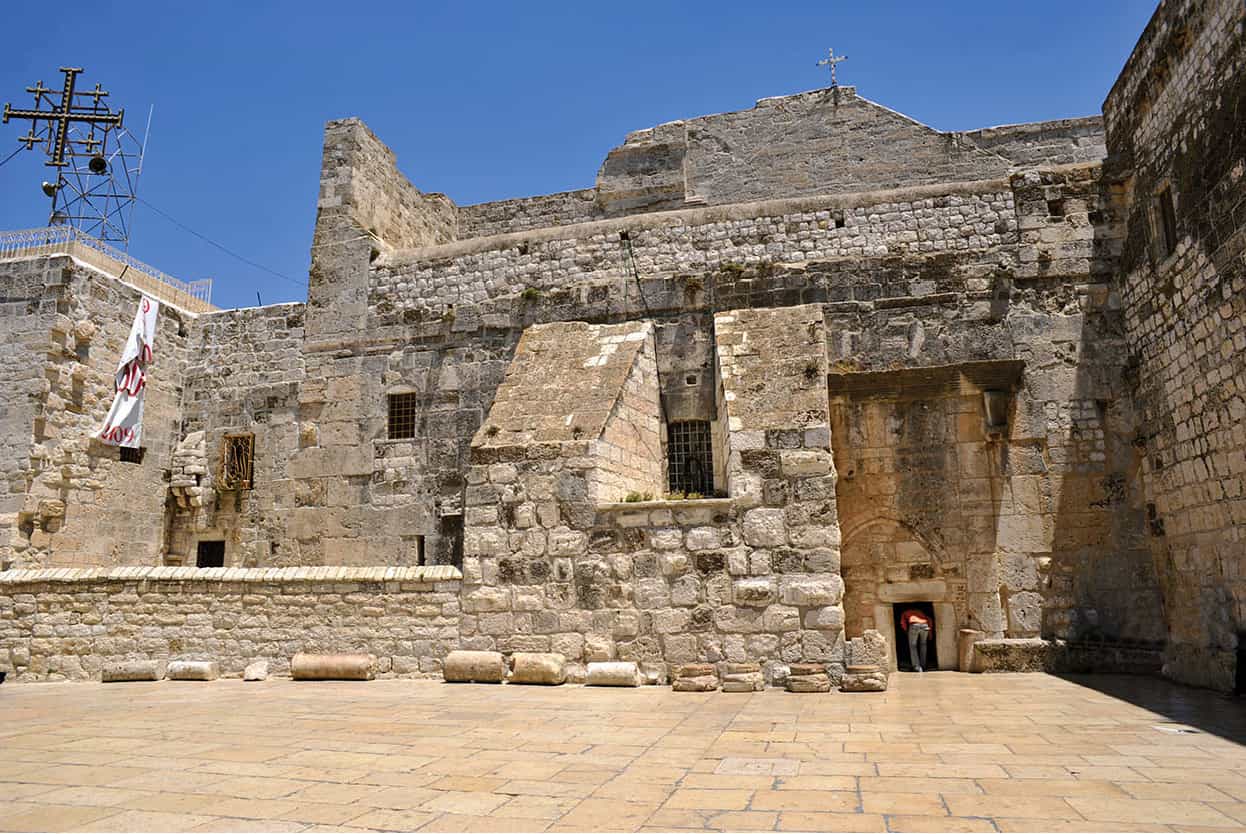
487 599
1025 613
703 538
830 617
133 670
864 679
598 649
809 683
614 673
696 683
256 671
193 670
801 669
327 667
810 591
743 677
538 668
474 666
754 592
803 464
765 527
692 670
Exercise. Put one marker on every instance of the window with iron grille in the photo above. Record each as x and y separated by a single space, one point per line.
129 455
690 457
402 416
237 461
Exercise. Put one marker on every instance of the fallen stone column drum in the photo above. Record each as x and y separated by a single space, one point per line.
614 673
329 667
194 670
474 667
539 668
133 670
743 677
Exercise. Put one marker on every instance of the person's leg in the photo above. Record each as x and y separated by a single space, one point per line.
913 638
922 639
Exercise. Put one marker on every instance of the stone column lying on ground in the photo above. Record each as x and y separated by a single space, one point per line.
614 673
256 671
539 667
329 667
194 670
474 667
743 677
133 670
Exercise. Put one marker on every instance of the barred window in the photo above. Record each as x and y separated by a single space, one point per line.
237 461
690 457
129 455
402 416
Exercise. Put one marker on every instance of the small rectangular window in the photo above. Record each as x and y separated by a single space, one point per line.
1166 222
690 457
129 455
210 555
237 461
402 414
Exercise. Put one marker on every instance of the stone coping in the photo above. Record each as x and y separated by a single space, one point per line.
687 503
425 573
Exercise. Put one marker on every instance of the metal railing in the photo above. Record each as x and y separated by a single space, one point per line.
194 296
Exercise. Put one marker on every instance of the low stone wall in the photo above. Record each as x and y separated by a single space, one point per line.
69 623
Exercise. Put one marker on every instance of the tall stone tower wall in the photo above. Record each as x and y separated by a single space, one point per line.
1176 125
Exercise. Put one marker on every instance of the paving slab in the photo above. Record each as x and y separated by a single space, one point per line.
936 752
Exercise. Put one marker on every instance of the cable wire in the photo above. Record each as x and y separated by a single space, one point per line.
227 251
10 156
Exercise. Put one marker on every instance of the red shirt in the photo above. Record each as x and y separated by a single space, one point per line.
912 616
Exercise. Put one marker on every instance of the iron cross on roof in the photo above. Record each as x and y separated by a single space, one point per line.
831 60
61 115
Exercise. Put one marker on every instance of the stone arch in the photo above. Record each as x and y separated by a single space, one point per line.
884 560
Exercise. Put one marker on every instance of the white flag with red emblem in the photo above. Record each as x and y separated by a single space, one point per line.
124 424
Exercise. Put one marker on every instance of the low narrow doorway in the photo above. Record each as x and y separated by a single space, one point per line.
210 554
903 662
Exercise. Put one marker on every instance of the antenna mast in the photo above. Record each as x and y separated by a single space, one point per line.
97 160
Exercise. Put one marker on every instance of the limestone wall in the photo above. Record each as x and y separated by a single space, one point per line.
1059 142
658 582
25 322
951 218
243 376
1175 121
66 624
525 213
83 505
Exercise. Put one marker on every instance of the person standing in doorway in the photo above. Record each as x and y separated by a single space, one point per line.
917 625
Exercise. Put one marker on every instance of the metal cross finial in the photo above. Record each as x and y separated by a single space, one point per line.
831 60
61 115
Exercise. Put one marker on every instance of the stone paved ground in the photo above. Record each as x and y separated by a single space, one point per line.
940 752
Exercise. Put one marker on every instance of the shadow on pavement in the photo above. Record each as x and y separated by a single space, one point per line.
1211 712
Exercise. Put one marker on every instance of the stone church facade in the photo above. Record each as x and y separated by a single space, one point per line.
779 373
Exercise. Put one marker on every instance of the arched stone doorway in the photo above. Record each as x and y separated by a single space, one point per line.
884 563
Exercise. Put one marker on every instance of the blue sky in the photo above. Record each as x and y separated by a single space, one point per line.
485 101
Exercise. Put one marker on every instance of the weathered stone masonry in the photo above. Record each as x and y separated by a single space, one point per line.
950 368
